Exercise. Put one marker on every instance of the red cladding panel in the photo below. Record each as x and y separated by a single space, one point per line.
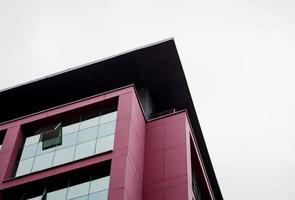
166 170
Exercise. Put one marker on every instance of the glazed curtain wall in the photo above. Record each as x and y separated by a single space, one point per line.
91 134
91 188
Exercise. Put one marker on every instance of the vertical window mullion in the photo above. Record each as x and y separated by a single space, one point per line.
77 136
89 185
67 189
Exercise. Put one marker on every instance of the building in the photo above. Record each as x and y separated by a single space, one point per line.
120 128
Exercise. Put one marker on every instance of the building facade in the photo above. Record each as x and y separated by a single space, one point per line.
115 141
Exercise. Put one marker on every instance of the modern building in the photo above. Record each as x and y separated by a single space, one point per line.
122 128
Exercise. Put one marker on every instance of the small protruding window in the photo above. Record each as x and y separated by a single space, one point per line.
2 135
51 135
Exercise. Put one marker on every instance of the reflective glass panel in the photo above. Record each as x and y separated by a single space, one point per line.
24 167
78 190
108 117
52 143
102 195
32 140
84 150
64 156
68 140
89 123
57 195
40 150
104 144
99 184
87 134
43 161
106 128
70 128
29 151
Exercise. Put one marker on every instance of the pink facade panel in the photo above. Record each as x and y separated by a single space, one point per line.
176 193
155 139
175 162
154 168
165 170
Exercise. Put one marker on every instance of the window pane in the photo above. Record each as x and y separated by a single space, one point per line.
57 195
68 140
32 140
40 150
87 134
51 143
99 184
84 150
103 195
70 129
106 129
108 117
42 162
78 190
29 151
64 156
104 144
89 123
24 167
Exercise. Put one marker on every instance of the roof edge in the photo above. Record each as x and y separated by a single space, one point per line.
86 64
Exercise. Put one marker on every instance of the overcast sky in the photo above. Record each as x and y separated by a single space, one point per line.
238 57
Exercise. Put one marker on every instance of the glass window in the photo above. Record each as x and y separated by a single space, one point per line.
24 167
41 151
84 150
99 184
70 128
74 138
87 134
102 195
106 128
32 140
51 137
52 142
108 117
57 195
29 151
89 123
68 140
43 161
64 156
78 190
73 187
104 144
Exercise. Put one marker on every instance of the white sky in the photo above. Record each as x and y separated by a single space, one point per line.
238 57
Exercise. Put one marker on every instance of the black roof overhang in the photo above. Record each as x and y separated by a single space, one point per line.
156 67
